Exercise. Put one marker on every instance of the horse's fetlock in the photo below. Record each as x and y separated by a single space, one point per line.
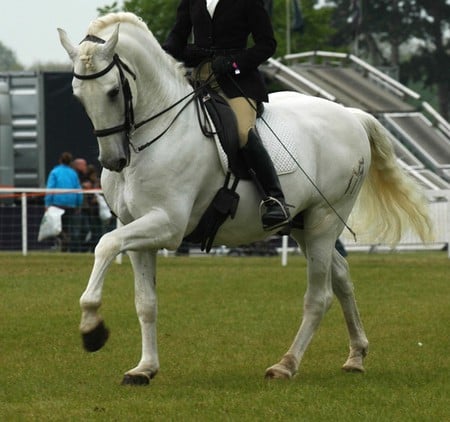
90 319
290 362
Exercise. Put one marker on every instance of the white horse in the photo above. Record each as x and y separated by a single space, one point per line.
160 191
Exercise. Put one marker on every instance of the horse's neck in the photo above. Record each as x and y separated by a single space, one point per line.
159 83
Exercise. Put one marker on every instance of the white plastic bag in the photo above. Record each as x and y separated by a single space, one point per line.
103 210
51 224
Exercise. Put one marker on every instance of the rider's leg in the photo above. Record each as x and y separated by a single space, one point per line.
260 164
258 161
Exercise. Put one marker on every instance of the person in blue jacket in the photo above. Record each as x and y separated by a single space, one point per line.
63 176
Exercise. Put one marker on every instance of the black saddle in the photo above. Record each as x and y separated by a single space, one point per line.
225 127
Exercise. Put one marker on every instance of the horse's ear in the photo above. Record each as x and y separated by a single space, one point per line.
110 45
67 44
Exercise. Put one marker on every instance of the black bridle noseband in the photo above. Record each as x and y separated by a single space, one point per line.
129 125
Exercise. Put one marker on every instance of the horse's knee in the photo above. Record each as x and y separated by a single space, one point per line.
108 245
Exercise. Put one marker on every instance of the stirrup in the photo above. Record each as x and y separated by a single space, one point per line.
283 222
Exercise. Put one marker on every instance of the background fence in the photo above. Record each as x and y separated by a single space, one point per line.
21 211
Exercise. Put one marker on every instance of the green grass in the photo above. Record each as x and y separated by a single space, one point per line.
222 321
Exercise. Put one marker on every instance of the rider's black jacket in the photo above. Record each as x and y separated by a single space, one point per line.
225 34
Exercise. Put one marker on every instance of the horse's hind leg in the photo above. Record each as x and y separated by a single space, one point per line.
317 300
144 267
343 289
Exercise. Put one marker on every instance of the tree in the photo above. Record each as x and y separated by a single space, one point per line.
393 24
431 63
8 59
373 24
158 14
108 9
314 33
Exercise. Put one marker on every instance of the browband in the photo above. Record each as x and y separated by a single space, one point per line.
92 38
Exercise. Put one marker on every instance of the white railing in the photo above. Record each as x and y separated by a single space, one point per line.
301 80
389 82
21 210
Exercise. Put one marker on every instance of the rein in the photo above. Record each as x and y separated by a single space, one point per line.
129 126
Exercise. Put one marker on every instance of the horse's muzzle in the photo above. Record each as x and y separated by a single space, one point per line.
114 165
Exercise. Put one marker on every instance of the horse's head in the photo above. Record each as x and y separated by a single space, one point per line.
102 88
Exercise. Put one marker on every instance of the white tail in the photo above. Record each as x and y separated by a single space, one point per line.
390 202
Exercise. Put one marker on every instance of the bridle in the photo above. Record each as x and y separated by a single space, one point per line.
129 126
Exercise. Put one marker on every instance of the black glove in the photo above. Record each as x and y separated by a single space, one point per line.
222 65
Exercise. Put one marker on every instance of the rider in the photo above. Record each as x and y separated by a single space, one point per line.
220 30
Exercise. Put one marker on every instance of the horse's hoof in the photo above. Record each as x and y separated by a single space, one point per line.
354 362
285 369
140 379
94 340
352 367
277 372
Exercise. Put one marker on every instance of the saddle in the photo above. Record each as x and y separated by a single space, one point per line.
218 119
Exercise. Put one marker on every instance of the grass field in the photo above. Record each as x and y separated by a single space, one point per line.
222 321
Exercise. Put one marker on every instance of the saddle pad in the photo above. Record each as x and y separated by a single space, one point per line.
282 161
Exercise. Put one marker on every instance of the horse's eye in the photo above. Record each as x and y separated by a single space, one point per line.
113 93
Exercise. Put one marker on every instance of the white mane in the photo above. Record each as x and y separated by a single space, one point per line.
112 18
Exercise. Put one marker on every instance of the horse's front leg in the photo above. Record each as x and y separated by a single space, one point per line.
93 330
144 267
150 232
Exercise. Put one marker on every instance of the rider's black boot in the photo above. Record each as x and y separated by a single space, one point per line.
260 166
